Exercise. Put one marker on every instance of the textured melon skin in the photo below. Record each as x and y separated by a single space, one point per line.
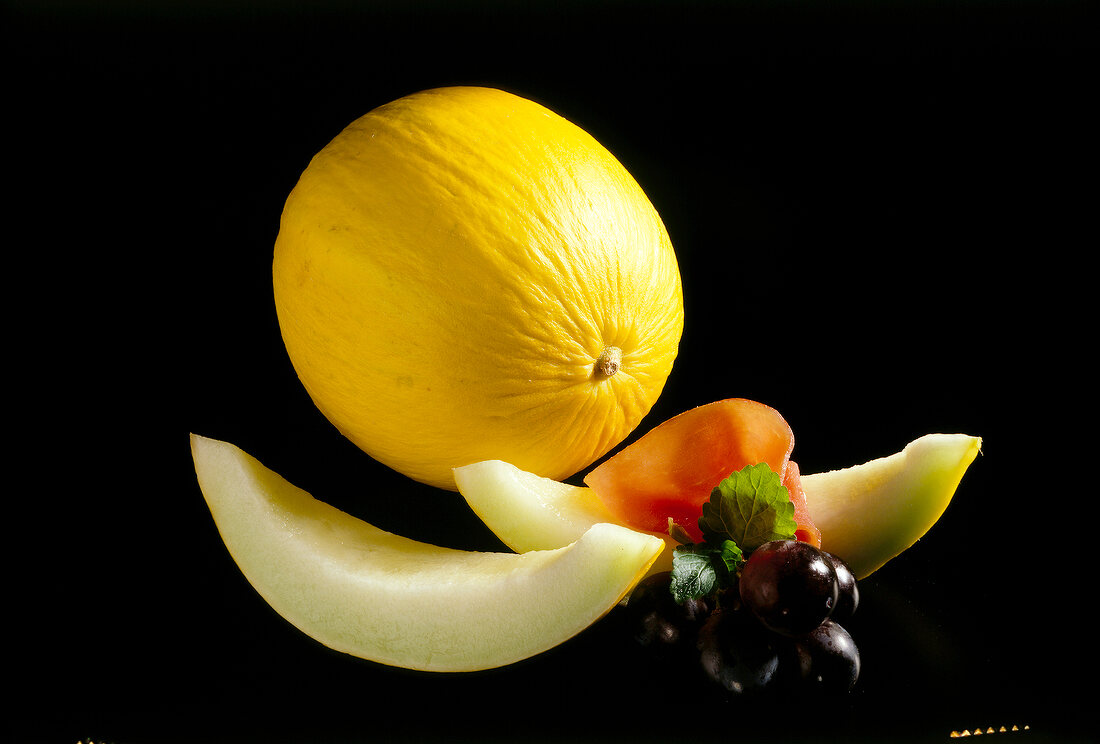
462 274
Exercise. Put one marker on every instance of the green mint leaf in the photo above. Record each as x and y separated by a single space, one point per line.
750 507
699 569
731 556
693 573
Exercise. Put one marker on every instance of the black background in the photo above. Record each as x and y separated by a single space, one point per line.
875 211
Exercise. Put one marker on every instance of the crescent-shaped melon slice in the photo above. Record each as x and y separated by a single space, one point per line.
871 513
867 514
397 601
529 512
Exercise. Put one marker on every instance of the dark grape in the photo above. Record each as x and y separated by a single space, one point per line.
657 621
791 586
737 652
848 599
824 660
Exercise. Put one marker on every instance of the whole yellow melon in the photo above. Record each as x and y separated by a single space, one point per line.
463 275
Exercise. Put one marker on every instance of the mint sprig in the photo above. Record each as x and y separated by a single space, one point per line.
699 570
750 507
746 510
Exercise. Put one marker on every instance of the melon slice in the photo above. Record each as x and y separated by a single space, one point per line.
871 513
396 601
529 512
867 514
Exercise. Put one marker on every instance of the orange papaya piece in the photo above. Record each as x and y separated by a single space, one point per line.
669 472
806 530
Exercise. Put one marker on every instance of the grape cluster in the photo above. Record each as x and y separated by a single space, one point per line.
779 626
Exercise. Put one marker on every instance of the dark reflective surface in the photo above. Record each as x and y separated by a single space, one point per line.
874 215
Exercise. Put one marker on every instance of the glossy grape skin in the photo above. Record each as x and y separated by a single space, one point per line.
790 586
738 653
826 660
848 599
657 621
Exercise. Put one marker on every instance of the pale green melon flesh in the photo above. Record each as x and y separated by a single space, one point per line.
867 513
529 512
871 513
396 601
